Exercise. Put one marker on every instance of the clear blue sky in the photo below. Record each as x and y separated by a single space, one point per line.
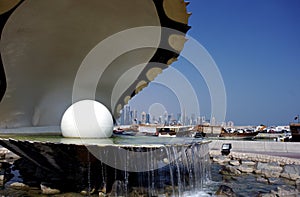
256 46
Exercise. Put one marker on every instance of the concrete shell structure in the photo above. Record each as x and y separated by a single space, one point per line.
45 43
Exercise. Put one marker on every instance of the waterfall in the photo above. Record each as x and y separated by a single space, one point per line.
169 168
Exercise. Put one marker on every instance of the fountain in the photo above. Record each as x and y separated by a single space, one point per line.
94 164
51 58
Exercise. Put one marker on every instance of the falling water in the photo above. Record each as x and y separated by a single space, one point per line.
177 168
89 173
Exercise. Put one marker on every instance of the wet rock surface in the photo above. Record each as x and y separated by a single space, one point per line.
291 172
258 176
221 159
224 190
230 170
245 168
234 162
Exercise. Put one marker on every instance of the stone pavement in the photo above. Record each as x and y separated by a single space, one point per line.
281 149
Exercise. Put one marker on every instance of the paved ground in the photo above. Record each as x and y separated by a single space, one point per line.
282 149
282 154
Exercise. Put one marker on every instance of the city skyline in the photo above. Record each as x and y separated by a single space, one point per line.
129 116
256 47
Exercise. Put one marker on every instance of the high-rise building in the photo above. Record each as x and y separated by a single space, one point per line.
213 121
165 118
199 122
170 117
193 119
134 117
127 115
179 118
143 117
148 118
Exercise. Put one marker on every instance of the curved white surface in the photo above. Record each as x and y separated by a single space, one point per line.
87 119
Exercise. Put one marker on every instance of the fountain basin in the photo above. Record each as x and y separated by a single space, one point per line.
93 164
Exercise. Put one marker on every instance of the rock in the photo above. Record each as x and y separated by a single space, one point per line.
3 152
103 189
118 189
291 172
269 174
18 185
262 180
225 191
69 194
234 163
269 169
275 167
285 191
267 195
298 184
230 170
48 190
273 180
88 191
84 193
248 163
222 160
166 161
11 156
245 168
260 167
1 180
135 193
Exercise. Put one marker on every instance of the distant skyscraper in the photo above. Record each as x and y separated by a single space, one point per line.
127 118
213 121
199 122
147 118
193 119
143 117
165 118
134 117
170 119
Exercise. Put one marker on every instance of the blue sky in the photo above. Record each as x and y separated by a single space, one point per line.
256 46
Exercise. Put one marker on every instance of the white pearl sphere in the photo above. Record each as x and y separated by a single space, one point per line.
87 119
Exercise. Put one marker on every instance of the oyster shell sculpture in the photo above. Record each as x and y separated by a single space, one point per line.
45 43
